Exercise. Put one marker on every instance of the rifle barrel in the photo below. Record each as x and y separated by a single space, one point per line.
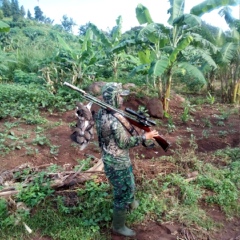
143 123
139 116
100 103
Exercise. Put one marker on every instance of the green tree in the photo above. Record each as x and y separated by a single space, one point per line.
29 15
22 11
6 8
82 30
15 8
67 24
38 14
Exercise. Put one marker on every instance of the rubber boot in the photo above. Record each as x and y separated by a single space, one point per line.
119 218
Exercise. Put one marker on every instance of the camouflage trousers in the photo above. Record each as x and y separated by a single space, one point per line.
123 186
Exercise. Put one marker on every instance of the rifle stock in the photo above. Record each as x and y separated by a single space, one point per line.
137 120
163 143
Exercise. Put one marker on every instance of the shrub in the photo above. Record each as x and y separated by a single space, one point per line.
26 78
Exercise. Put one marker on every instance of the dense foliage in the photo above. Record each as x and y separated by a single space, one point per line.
190 52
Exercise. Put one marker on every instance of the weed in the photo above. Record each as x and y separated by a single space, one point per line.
220 123
64 226
54 149
188 194
6 219
36 191
41 140
226 196
39 129
223 185
207 122
25 135
210 98
205 133
233 153
191 214
30 151
188 108
151 207
189 129
225 115
193 143
54 168
72 124
97 203
171 126
10 125
143 111
222 134
85 164
25 102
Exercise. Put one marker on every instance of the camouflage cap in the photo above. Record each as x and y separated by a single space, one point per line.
110 91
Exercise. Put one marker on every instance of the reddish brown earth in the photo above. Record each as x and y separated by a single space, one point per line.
219 137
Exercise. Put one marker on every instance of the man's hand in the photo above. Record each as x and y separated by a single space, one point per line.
151 135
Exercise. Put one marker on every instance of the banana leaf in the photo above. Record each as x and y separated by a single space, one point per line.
209 5
143 15
159 67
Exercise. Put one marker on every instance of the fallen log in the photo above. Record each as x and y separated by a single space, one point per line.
60 179
6 194
80 177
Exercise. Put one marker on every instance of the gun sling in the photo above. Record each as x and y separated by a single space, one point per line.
129 127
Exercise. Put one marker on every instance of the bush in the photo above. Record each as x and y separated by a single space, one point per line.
5 218
26 78
33 32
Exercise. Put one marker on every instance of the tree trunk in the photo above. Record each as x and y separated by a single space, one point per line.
160 90
211 79
236 93
166 98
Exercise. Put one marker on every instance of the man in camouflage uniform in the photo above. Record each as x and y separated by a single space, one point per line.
115 142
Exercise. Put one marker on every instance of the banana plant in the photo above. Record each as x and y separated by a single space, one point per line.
69 63
111 47
5 58
166 46
231 54
228 57
210 5
182 38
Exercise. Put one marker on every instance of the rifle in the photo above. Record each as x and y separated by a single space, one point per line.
136 119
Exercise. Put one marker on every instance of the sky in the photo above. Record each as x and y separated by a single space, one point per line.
103 13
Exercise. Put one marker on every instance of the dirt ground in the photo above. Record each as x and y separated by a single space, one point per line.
211 133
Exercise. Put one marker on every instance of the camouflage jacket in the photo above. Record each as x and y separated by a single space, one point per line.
114 140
